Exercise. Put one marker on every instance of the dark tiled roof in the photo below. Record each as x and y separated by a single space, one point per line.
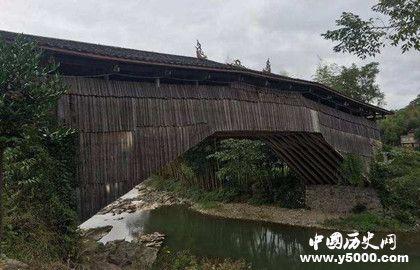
119 52
122 54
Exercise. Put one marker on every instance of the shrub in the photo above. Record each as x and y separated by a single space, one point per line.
402 121
176 260
366 221
352 170
183 260
397 180
38 158
246 170
241 162
359 208
289 191
40 201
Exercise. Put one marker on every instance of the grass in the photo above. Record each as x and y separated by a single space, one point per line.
29 239
362 221
205 199
177 260
368 221
208 204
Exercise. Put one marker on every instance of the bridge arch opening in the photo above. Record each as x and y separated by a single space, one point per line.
310 158
129 130
306 155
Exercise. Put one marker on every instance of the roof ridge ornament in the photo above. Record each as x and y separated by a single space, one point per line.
236 63
267 68
199 51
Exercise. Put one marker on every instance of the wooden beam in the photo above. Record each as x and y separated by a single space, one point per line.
293 164
315 159
297 158
302 158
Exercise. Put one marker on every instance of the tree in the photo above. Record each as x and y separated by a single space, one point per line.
356 82
241 161
366 38
29 90
404 120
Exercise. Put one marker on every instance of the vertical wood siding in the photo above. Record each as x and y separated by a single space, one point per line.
128 130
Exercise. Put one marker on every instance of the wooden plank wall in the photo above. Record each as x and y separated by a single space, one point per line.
128 130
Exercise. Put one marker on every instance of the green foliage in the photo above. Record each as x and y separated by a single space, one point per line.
179 260
366 38
356 35
205 198
395 174
286 190
399 163
417 134
247 170
39 159
367 221
183 260
196 157
41 219
397 180
359 208
404 120
241 162
209 204
352 170
29 90
290 191
180 171
356 82
252 169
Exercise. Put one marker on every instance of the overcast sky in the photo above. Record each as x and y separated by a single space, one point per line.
288 32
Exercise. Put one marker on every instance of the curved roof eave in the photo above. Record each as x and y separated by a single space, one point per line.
235 70
118 54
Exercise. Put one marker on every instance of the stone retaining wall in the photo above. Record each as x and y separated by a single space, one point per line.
340 199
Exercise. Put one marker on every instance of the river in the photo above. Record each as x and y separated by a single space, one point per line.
263 245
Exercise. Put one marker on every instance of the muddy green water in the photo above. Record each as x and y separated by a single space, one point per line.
264 245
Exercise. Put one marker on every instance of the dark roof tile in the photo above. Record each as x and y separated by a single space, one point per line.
117 51
162 58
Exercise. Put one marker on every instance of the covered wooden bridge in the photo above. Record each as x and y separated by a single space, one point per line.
137 111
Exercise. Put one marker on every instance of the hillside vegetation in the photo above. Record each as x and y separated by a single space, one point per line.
404 120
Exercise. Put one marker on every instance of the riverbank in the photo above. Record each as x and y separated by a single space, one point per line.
268 213
113 235
146 197
326 213
150 198
111 243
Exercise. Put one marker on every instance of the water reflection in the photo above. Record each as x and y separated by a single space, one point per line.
266 246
